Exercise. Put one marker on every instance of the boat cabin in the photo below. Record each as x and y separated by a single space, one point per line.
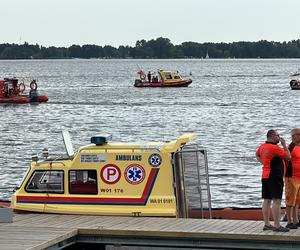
106 178
169 76
9 87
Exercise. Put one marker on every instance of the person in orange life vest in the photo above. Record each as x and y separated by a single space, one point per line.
292 181
271 156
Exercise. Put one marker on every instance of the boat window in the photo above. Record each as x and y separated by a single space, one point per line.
83 182
50 181
168 76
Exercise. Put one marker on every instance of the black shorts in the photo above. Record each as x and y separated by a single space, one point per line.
272 188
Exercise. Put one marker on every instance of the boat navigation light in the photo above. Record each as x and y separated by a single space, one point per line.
45 153
35 158
101 139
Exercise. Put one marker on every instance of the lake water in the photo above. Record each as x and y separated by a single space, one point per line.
230 105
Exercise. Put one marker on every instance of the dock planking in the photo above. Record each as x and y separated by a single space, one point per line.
42 231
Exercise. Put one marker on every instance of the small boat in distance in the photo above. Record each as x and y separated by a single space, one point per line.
12 92
162 79
295 73
295 84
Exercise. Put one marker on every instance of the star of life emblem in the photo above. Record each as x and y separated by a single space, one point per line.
134 174
154 160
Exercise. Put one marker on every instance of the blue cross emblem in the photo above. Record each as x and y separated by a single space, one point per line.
154 160
134 174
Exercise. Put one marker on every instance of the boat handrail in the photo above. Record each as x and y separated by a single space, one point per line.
60 162
55 160
122 149
191 147
192 159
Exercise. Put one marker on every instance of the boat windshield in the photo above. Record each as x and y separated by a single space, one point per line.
46 181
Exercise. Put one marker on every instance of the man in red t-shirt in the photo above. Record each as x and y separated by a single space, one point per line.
292 181
271 156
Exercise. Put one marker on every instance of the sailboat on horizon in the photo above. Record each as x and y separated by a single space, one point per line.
207 56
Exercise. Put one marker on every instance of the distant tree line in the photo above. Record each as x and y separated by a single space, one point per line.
156 48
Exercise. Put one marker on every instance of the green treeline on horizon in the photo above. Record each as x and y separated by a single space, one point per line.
160 48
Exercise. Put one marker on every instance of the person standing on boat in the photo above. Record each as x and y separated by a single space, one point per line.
149 76
292 181
271 156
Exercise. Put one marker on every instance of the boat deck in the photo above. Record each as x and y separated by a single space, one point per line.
53 231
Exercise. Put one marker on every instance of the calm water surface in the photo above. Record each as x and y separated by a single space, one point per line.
230 105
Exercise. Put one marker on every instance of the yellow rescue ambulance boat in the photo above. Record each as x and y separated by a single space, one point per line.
106 178
163 79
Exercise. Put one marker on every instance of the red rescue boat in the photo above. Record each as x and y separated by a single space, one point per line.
231 213
4 203
13 92
295 84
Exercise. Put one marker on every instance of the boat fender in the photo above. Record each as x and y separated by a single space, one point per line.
22 87
33 85
2 91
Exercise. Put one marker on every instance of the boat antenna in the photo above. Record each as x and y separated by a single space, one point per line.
68 144
139 67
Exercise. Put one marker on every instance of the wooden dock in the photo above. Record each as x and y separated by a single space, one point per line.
54 231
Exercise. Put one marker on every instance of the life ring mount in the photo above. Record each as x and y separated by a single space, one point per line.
142 75
33 85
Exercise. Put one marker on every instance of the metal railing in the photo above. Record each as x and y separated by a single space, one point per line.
192 181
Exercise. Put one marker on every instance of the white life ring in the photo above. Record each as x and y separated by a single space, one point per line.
33 85
142 75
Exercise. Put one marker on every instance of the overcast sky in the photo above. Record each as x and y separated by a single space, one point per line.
123 22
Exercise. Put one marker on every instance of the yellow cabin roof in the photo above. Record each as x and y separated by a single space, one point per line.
171 146
169 75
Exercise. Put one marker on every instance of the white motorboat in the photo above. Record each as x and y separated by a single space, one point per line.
295 73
